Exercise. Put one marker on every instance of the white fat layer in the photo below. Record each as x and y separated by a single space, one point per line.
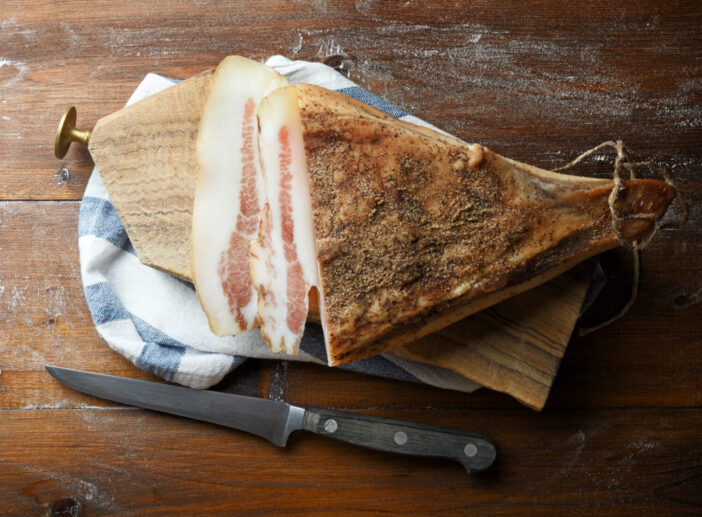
278 110
216 205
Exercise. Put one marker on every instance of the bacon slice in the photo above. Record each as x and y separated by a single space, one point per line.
229 194
415 230
283 258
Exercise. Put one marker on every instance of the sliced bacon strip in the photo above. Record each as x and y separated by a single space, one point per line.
229 195
283 258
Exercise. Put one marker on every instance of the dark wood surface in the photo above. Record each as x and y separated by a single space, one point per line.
539 82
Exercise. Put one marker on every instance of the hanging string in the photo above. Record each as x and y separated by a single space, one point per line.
621 163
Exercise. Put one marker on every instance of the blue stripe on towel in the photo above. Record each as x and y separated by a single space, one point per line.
161 353
160 359
378 365
104 304
98 217
313 343
358 93
151 333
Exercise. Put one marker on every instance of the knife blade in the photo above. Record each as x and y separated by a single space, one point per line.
275 420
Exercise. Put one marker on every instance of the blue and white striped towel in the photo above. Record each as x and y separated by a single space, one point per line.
155 319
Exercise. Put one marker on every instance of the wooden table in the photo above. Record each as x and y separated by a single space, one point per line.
539 82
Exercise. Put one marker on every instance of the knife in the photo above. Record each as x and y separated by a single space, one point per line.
274 420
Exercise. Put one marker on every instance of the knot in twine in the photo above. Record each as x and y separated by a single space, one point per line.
622 162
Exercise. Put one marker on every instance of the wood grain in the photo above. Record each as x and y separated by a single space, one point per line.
43 315
539 82
557 463
534 86
147 157
516 346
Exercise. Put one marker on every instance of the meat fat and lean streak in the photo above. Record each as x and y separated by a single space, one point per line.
283 258
229 194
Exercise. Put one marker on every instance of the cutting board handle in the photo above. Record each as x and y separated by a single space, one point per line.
68 133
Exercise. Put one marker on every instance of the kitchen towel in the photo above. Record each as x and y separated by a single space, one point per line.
155 320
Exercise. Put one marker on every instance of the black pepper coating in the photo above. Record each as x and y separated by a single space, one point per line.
410 223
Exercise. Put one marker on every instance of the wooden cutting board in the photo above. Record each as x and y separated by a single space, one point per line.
146 154
146 157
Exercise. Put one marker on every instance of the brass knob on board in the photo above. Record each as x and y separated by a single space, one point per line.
68 133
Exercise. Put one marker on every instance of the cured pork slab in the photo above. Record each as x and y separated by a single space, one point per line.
229 194
414 230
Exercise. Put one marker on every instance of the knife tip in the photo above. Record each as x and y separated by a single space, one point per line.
54 371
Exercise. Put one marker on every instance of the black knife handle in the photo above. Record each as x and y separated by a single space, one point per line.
474 452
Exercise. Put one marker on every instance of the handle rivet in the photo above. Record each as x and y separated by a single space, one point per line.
470 450
330 426
400 438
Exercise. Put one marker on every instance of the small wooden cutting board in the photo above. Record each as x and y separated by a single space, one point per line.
146 154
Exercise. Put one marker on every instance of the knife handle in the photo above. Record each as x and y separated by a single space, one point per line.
474 452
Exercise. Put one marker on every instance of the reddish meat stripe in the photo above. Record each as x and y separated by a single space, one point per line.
233 268
249 209
296 289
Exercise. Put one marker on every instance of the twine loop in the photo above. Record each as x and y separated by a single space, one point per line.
623 163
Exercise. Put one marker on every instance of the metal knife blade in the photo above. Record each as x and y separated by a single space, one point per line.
268 419
274 420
